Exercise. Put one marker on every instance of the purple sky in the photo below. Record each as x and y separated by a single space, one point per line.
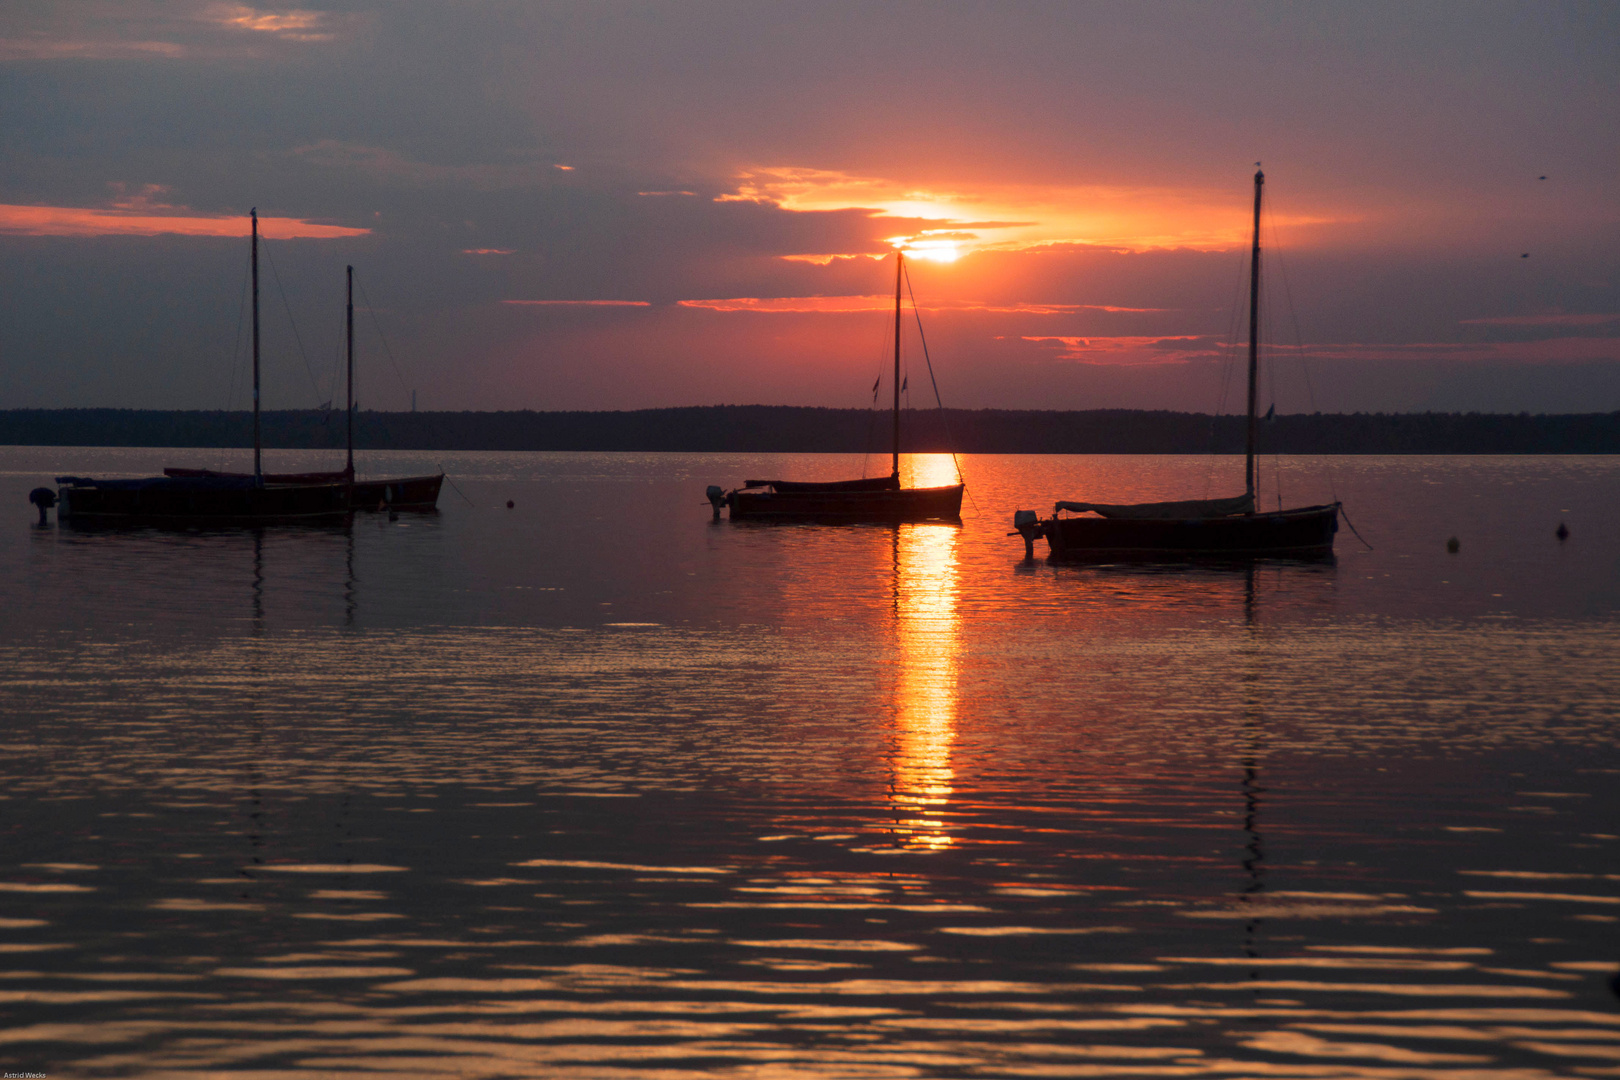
1074 180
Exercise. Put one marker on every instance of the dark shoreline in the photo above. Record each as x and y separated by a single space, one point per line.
792 429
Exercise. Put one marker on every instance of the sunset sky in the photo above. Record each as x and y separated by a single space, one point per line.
615 205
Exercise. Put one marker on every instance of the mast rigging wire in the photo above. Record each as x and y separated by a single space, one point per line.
314 385
944 420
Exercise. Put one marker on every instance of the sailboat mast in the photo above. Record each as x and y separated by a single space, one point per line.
1254 332
258 446
899 263
349 312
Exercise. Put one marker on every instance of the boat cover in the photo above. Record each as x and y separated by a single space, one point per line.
161 483
1191 508
873 483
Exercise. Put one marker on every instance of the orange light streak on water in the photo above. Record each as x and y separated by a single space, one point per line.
927 631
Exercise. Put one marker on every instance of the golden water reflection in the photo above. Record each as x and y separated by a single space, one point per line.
927 639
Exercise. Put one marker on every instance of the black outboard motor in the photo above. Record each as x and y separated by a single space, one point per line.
1026 523
717 498
44 498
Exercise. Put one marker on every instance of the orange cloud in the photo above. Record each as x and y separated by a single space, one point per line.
1134 351
137 218
885 302
785 304
1017 217
295 24
488 251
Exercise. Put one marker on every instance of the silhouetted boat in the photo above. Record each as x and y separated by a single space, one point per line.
207 498
389 493
868 499
1199 527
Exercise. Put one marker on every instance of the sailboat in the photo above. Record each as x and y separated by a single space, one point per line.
390 493
203 498
868 499
1196 527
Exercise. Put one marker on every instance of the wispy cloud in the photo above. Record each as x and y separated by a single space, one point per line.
142 214
779 305
1136 351
1553 319
49 48
1017 216
292 24
488 251
389 166
885 302
579 303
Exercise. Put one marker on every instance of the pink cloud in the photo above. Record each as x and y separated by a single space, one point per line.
141 217
1133 351
580 303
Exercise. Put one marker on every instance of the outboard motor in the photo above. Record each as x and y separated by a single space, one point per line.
44 498
717 498
1027 523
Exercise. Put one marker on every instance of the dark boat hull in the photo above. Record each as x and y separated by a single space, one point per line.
1303 532
399 493
894 504
199 501
390 493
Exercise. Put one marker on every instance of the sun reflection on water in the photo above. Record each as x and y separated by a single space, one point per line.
926 645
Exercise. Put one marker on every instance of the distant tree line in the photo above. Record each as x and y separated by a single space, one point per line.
790 429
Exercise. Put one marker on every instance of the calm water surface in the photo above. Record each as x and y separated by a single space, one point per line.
596 787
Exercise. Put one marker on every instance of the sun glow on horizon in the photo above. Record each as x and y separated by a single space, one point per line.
1015 217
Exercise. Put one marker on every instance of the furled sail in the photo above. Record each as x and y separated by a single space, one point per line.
872 483
1190 508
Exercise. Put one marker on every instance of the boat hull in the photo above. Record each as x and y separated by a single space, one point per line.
199 501
1300 533
895 504
389 493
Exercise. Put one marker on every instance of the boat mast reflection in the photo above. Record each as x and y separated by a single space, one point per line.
1254 732
926 635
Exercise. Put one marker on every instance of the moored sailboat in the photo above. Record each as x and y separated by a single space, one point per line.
1228 527
866 499
203 498
388 493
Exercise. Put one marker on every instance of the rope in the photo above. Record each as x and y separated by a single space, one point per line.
945 420
1352 525
1304 361
366 299
293 322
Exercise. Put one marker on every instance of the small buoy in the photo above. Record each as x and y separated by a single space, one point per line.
510 504
1562 532
1452 545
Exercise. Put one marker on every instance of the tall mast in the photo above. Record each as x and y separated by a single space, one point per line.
1254 331
350 379
258 447
899 263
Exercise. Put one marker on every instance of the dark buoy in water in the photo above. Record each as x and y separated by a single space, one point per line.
1452 545
510 504
44 498
1562 532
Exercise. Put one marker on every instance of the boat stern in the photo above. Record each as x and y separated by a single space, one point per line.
1027 523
